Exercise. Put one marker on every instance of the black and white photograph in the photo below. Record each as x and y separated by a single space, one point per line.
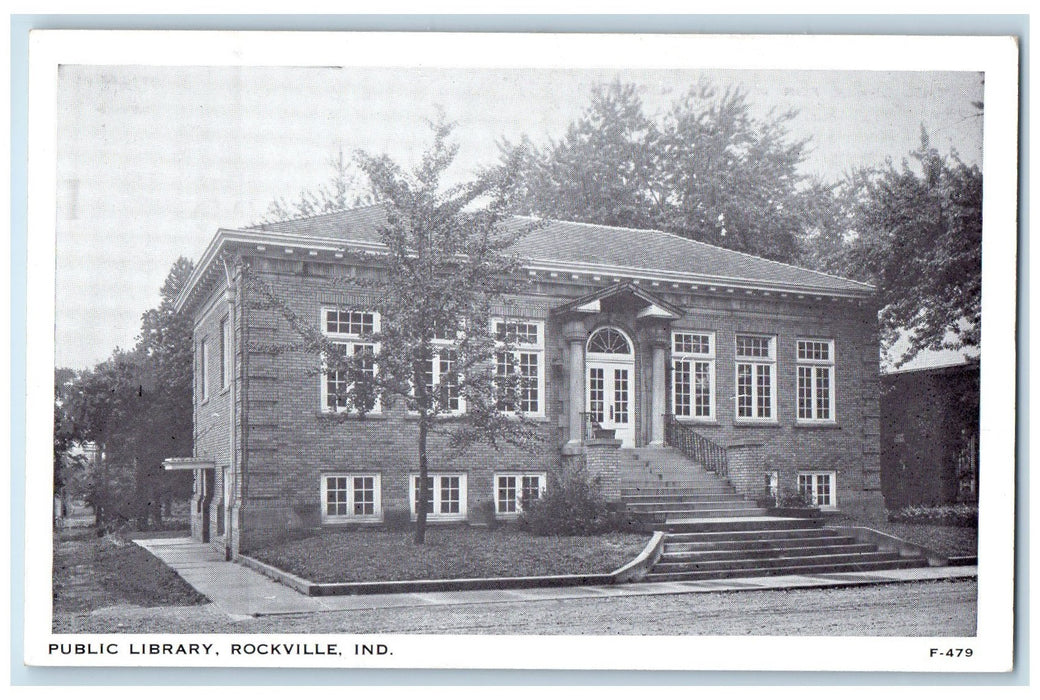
399 345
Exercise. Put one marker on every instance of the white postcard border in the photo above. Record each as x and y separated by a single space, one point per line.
996 56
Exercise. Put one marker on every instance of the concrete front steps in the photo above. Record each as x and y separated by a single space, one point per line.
736 547
661 484
713 532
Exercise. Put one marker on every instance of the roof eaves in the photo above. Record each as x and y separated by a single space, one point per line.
861 290
257 237
208 257
967 363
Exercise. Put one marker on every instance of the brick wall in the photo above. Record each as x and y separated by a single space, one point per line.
850 446
748 468
212 412
603 466
290 442
287 442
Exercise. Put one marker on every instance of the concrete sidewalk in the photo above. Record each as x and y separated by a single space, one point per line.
242 592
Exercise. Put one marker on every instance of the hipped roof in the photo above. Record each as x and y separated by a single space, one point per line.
566 246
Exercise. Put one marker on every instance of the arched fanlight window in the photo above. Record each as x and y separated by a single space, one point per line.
609 341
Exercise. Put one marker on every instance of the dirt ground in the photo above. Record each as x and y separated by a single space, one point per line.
91 573
944 608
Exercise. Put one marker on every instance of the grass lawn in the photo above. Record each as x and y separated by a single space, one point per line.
92 572
449 552
948 540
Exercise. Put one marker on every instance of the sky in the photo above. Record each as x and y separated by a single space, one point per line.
153 160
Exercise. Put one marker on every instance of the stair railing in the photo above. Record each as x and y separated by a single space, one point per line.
593 430
695 446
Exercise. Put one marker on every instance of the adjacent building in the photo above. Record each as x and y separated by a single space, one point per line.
930 435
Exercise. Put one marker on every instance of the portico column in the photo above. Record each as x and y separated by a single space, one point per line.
574 333
659 343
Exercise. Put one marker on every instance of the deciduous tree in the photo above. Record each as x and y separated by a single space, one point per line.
915 231
708 169
604 170
165 427
135 408
446 260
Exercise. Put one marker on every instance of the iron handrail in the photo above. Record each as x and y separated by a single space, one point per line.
695 446
592 428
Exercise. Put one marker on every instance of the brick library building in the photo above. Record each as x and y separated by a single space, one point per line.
642 353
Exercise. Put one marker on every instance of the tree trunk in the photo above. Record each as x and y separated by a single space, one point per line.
100 514
142 502
424 490
156 505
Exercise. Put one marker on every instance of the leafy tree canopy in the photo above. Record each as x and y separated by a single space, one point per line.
915 231
707 170
135 407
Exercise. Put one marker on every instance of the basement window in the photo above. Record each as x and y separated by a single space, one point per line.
446 497
818 488
350 498
513 490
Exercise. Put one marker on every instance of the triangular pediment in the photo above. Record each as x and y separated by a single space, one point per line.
624 295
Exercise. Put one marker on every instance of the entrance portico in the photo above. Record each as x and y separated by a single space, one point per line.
617 340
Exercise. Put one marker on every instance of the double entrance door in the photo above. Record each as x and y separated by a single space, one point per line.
609 398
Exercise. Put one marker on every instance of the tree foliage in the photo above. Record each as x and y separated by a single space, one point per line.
100 405
604 170
135 410
708 170
342 191
447 260
915 231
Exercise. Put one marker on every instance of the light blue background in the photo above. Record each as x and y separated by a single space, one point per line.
716 24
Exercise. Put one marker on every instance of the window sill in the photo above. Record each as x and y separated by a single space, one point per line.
756 424
447 417
225 390
822 425
697 421
528 418
453 518
359 520
414 417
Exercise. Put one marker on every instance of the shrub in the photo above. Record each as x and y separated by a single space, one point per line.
958 514
571 506
791 498
397 518
482 514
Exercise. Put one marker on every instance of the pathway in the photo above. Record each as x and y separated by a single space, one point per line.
241 592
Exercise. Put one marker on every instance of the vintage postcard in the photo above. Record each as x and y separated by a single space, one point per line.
380 350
